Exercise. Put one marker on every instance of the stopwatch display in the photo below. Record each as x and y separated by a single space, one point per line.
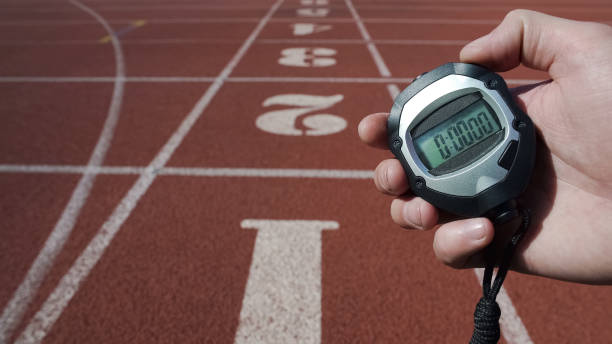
464 143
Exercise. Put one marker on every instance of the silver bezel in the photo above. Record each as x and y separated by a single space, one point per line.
479 175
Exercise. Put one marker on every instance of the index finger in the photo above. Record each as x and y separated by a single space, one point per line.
373 130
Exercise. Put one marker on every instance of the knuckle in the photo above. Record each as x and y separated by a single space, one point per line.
443 255
598 29
517 14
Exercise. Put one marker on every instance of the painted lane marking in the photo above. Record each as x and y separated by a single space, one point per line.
282 300
267 173
378 60
21 299
307 57
133 25
275 20
265 79
284 121
432 21
162 41
312 12
54 305
305 29
314 2
193 171
393 90
356 80
453 7
362 41
512 326
71 169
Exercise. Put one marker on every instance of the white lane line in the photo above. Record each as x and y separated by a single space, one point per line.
164 41
71 169
432 21
68 286
250 20
512 326
380 63
95 79
392 7
452 42
201 79
282 299
320 79
193 171
361 41
128 21
267 172
265 79
21 299
148 7
482 8
393 90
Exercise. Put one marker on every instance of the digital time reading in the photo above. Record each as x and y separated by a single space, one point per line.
455 135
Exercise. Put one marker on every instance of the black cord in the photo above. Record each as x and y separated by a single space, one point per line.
487 313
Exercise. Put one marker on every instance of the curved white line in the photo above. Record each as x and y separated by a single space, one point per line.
68 286
16 307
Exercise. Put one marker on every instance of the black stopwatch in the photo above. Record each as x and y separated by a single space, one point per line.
465 145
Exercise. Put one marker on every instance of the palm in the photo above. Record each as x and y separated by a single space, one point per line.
570 182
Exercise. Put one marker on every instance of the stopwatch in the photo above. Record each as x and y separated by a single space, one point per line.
464 143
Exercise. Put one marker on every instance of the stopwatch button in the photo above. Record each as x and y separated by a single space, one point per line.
508 156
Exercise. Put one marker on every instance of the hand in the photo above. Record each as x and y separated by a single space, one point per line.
570 193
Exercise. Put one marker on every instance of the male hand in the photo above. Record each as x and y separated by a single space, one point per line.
570 193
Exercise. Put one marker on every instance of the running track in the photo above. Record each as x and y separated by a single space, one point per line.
189 171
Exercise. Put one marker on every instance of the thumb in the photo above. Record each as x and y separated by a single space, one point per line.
456 242
535 39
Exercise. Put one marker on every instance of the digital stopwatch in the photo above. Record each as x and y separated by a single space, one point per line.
465 145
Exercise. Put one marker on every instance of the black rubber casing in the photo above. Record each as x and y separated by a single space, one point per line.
520 170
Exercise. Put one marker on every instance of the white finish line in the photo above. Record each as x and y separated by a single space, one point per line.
282 301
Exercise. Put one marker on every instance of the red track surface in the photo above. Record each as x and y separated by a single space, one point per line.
183 266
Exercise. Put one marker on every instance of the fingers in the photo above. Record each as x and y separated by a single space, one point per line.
456 243
414 213
390 179
373 130
535 39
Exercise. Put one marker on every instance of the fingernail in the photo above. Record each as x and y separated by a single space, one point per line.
412 215
474 229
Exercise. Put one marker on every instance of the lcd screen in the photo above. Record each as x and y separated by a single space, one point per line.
460 132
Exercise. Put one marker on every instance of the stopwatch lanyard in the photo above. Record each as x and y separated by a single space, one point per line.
487 313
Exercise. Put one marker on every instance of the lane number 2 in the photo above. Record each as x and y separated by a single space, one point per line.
284 121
